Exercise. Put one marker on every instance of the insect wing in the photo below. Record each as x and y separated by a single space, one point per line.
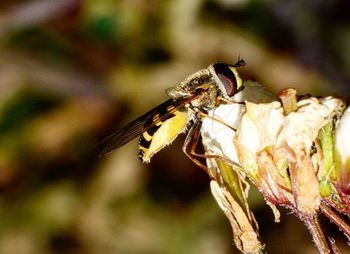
141 124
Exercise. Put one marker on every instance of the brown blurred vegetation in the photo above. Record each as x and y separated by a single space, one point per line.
73 71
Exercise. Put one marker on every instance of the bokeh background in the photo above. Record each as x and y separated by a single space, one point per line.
72 72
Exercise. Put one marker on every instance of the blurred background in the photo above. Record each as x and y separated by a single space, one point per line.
72 72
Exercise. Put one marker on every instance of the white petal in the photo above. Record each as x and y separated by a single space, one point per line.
342 137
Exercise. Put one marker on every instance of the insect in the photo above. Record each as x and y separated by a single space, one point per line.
189 101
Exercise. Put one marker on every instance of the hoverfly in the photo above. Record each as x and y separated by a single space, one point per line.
189 101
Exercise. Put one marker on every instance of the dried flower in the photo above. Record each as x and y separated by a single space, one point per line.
293 149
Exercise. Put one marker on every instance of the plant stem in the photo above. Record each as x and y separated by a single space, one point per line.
317 234
336 219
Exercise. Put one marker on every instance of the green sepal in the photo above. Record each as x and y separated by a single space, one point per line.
232 182
326 136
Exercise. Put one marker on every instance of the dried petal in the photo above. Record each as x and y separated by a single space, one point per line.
244 235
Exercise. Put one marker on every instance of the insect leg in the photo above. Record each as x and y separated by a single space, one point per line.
214 156
228 101
211 156
216 120
192 141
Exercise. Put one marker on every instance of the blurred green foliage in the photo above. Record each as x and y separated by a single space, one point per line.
22 107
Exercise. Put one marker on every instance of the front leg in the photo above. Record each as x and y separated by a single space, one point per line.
192 141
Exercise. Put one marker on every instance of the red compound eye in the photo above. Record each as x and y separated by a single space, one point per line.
227 78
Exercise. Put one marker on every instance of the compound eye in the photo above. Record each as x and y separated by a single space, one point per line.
227 78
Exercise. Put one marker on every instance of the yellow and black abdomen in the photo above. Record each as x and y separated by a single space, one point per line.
161 134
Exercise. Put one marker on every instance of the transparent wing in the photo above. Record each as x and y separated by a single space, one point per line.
145 122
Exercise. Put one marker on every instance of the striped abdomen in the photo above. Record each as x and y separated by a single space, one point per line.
162 133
